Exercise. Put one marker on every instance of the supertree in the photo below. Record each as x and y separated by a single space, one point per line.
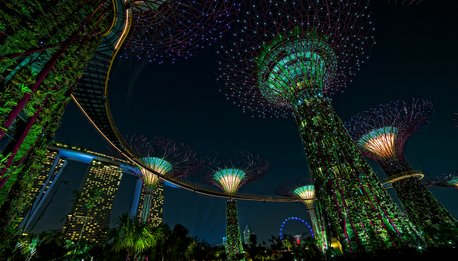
307 194
381 134
446 180
229 175
167 31
290 56
45 46
167 158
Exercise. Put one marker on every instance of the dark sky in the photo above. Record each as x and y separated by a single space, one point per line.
415 56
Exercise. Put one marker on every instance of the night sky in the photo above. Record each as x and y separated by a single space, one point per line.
415 56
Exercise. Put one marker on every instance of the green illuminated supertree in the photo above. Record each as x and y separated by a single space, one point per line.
381 133
167 158
307 194
229 175
290 56
44 47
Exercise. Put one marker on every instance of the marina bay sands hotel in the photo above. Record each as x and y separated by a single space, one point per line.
89 217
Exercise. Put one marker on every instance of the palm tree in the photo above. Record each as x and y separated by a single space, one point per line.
28 246
135 237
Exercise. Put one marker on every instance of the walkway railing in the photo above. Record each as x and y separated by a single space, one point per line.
91 97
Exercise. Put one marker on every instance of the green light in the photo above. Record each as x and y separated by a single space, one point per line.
305 192
157 164
453 182
295 63
229 179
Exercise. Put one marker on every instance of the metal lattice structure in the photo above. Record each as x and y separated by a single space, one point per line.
165 31
382 131
91 97
166 157
229 175
291 56
91 94
381 134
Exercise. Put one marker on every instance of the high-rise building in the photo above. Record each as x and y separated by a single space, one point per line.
157 203
53 165
90 216
246 235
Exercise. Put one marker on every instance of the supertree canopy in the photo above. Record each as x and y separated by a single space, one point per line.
446 180
167 158
229 175
381 134
290 56
170 30
308 195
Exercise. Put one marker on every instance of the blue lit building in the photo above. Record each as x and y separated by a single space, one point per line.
90 214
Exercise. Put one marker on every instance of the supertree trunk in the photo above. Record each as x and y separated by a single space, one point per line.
234 245
419 204
318 225
361 214
18 143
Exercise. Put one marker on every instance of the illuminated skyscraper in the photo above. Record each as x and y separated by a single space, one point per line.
157 202
53 166
90 216
246 235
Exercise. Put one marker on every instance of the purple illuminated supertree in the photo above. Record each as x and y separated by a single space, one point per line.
290 56
170 30
229 175
306 192
381 134
167 158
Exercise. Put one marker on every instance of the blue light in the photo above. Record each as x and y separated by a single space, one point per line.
169 184
131 170
283 224
76 156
